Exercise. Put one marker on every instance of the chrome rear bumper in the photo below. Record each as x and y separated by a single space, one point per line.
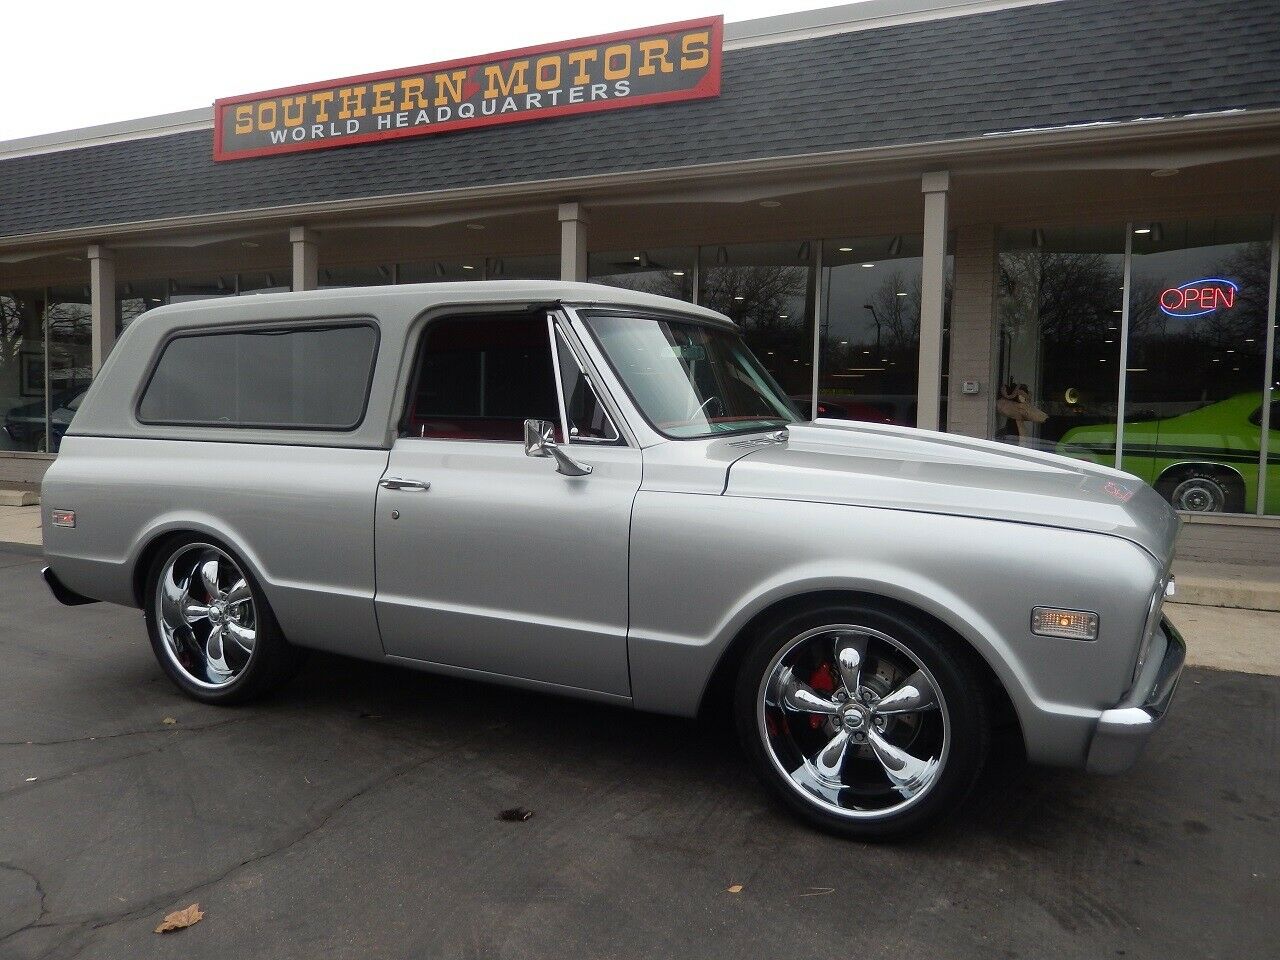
1123 730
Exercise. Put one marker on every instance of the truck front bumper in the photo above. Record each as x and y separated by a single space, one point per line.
1123 730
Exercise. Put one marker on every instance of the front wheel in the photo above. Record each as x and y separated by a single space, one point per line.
211 627
864 721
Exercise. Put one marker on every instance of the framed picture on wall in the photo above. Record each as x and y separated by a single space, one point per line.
31 370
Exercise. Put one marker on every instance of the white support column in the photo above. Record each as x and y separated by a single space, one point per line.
306 258
102 301
933 288
573 242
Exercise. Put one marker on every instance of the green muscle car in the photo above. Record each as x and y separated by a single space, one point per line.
1205 461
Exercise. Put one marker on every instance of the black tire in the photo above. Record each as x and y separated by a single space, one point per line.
965 733
273 660
1202 489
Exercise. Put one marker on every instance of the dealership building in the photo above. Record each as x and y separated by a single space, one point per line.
1048 222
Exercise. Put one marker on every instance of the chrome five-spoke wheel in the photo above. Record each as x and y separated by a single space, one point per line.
206 615
869 720
854 720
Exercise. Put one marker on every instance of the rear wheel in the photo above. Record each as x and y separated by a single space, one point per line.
211 627
863 720
1203 489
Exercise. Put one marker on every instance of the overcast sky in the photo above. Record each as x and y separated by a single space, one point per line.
72 63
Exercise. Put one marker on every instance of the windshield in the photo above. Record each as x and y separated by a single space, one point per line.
690 379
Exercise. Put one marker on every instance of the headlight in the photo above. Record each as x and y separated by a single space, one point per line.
1164 588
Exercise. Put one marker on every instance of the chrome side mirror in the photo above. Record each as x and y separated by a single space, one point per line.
540 441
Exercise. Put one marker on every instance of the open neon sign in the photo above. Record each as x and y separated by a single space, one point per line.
1197 298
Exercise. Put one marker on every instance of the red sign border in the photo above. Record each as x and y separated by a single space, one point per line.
708 86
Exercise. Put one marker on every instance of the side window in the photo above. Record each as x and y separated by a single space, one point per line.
588 420
1256 417
296 378
481 377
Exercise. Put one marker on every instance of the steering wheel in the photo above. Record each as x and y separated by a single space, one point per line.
707 403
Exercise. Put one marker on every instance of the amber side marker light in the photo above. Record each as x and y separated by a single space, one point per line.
1064 624
63 518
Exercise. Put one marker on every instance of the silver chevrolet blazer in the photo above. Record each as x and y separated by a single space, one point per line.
602 493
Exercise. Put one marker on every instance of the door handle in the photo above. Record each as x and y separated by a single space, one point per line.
398 483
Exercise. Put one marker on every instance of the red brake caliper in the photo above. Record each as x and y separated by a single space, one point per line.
821 681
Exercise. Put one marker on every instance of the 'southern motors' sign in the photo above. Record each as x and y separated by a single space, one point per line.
678 61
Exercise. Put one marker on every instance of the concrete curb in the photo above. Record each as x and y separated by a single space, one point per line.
24 549
1222 588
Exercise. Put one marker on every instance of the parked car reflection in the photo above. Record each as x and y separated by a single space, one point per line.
25 424
1205 461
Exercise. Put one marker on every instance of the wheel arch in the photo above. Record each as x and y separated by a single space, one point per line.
1181 465
176 529
717 692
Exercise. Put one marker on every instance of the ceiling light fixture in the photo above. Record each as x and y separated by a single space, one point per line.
770 203
1141 231
1166 172
868 265
467 266
846 249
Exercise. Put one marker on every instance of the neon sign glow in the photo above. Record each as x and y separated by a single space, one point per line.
1197 298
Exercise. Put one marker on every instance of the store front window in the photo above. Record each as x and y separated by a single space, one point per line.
869 339
1197 357
1060 299
536 267
1182 402
767 289
136 297
667 272
369 275
528 267
45 365
202 288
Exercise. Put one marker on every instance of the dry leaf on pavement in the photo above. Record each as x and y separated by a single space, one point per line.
181 919
168 721
736 888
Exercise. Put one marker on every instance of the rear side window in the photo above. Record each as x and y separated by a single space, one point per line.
299 378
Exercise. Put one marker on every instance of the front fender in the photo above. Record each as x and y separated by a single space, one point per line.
979 577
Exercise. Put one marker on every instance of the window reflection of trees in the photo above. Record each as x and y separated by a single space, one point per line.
769 303
1062 310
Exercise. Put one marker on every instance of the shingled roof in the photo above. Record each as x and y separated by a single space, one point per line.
1047 65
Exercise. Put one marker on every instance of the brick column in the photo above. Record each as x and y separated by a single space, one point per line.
102 304
933 289
306 258
573 242
973 332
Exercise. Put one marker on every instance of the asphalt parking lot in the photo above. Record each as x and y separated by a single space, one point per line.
354 816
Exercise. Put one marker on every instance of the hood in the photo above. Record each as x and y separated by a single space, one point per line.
874 465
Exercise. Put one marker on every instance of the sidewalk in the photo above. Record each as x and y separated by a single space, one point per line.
20 525
1230 614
